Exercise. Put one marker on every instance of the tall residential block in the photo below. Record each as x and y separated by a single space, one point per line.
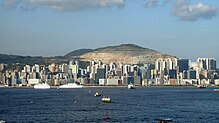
207 63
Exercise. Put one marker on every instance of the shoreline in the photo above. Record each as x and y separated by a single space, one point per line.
152 86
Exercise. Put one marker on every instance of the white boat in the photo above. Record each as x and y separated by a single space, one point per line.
130 86
97 94
71 85
2 121
216 90
106 99
201 86
164 120
41 86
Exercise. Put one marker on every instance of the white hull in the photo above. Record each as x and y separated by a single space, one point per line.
97 94
216 90
42 86
71 85
130 86
106 99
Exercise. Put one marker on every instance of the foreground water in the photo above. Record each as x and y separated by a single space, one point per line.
141 105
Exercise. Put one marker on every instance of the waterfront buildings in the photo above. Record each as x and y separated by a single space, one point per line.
165 71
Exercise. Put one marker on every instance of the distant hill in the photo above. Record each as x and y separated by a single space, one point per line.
125 53
78 52
122 47
11 59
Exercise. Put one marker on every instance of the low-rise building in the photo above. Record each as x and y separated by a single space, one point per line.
33 81
112 81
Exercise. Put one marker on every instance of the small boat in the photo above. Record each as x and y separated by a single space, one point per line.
41 86
2 121
106 99
164 120
201 86
216 90
131 86
97 94
71 85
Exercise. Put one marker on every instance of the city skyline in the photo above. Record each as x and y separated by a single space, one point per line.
184 28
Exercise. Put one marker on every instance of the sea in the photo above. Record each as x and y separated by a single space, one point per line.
140 105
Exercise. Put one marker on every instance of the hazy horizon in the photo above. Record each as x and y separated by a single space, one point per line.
183 28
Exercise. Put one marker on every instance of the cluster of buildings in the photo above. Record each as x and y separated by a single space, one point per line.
164 72
185 72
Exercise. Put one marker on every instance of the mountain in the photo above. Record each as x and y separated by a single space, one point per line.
125 53
78 52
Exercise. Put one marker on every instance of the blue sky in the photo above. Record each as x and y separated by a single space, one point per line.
184 28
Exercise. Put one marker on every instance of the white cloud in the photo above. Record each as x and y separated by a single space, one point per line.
151 3
185 10
192 12
66 5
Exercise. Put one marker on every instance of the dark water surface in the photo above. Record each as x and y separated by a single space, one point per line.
141 105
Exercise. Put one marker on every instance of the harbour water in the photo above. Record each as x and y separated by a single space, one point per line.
141 105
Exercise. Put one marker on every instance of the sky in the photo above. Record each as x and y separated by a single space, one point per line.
183 28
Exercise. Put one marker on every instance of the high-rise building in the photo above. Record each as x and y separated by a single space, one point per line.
112 66
172 74
207 63
77 63
137 80
64 68
37 68
27 68
74 68
146 71
126 69
185 74
159 64
1 77
52 68
168 64
183 64
192 74
71 62
101 74
2 67
100 63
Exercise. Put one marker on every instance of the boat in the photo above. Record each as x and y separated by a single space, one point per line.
131 86
97 94
2 121
41 86
216 90
106 99
164 120
71 85
201 86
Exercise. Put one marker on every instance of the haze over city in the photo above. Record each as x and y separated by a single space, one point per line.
184 28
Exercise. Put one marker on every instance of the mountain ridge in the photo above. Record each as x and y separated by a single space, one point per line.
78 52
122 46
125 53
